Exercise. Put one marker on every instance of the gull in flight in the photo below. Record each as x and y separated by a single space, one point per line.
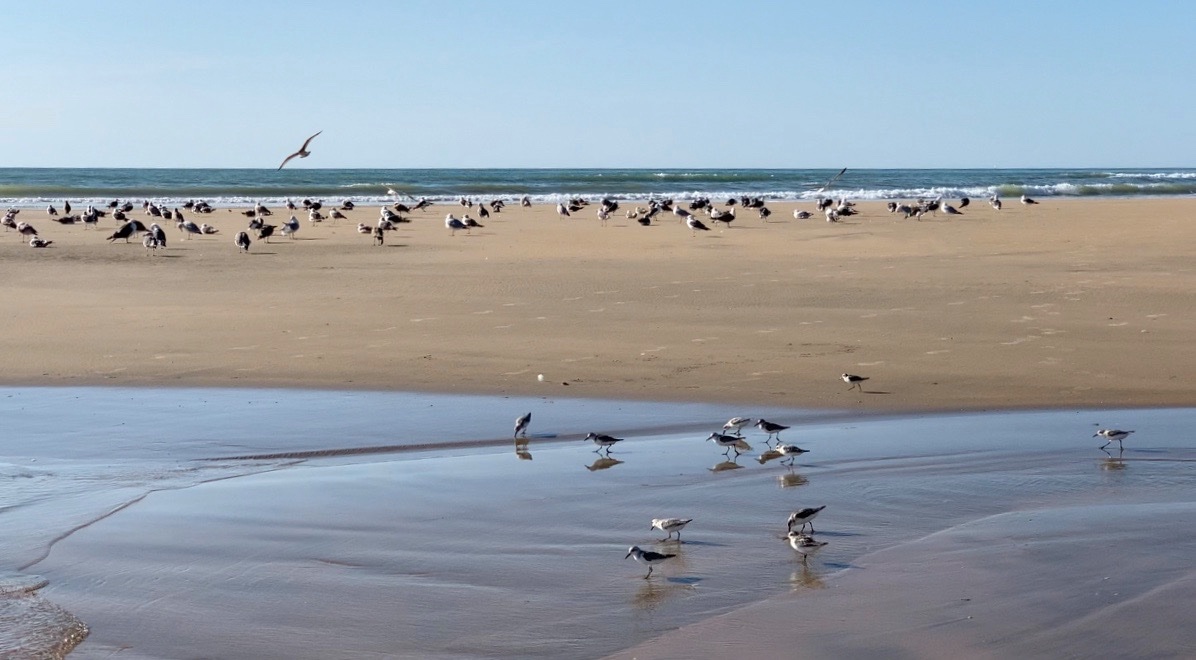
302 153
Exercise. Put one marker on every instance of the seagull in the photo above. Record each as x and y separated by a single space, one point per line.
995 202
1110 435
854 381
302 153
26 229
562 210
603 441
728 441
521 424
801 215
453 224
964 201
951 210
265 232
379 235
290 227
151 243
670 526
696 226
805 545
158 233
188 228
792 451
1027 201
39 243
242 241
207 229
736 423
770 428
805 517
647 557
363 228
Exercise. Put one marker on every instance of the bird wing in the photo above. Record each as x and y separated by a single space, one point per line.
288 159
832 180
308 141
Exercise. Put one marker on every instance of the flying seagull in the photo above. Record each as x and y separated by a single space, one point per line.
302 153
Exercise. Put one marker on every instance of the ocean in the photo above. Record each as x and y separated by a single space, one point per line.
37 187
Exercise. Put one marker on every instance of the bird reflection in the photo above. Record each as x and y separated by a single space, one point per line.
792 479
1113 462
603 463
804 578
653 593
725 465
521 450
769 454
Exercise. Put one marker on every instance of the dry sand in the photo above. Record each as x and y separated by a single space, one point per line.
1069 303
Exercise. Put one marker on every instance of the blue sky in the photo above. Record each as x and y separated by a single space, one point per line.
599 84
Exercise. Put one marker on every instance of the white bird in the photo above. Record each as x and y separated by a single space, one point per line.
302 153
363 228
453 224
151 243
521 424
1027 201
603 441
562 211
805 545
805 517
647 557
670 526
39 243
289 227
1111 435
26 229
770 428
158 233
188 228
800 215
995 202
242 241
695 226
314 216
792 451
207 229
728 441
854 381
735 423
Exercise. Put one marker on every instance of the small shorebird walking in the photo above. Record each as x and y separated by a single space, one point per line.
854 381
805 545
521 424
736 423
302 153
771 429
670 526
603 441
647 557
1111 435
805 516
728 441
792 451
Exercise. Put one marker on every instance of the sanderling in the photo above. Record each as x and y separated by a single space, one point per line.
854 381
728 441
771 429
805 517
521 425
1111 435
647 557
805 545
302 153
735 423
792 451
670 526
603 441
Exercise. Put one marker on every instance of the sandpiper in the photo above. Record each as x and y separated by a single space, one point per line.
521 424
670 526
1111 435
771 429
805 545
647 557
806 517
854 381
603 441
735 424
791 451
728 441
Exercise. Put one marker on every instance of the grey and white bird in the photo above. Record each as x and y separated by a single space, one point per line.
805 545
26 229
730 442
1111 435
670 526
773 430
804 517
603 441
38 242
188 228
452 223
790 451
1027 201
151 243
695 225
801 215
522 423
734 424
302 153
242 241
995 202
289 227
854 380
647 557
562 210
208 230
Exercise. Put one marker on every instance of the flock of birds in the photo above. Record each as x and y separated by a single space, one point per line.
730 436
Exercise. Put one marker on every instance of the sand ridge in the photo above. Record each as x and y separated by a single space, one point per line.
1068 303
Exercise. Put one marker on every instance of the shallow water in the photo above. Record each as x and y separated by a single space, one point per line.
411 525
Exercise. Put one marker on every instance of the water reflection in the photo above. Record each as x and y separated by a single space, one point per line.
792 479
1113 463
603 463
805 578
769 454
649 596
725 465
521 449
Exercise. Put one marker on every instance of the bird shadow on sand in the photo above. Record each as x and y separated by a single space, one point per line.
874 392
169 256
256 254
397 245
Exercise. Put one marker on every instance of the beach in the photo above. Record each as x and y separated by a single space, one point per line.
1066 303
305 450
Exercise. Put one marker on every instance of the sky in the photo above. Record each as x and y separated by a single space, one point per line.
513 83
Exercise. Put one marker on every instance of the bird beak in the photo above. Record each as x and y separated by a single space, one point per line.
628 555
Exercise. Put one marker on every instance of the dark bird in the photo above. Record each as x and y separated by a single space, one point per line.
124 231
696 226
242 241
521 424
39 243
265 232
302 153
805 517
66 206
964 201
647 557
770 428
1027 201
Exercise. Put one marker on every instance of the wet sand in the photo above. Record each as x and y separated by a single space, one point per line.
504 550
1068 303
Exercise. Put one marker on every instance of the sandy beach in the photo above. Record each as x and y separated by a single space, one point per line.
1067 303
339 516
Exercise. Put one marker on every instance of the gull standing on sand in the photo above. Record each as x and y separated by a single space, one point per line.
854 381
995 202
302 153
647 557
521 424
242 241
603 441
290 227
1111 435
805 517
453 224
670 526
695 226
771 429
